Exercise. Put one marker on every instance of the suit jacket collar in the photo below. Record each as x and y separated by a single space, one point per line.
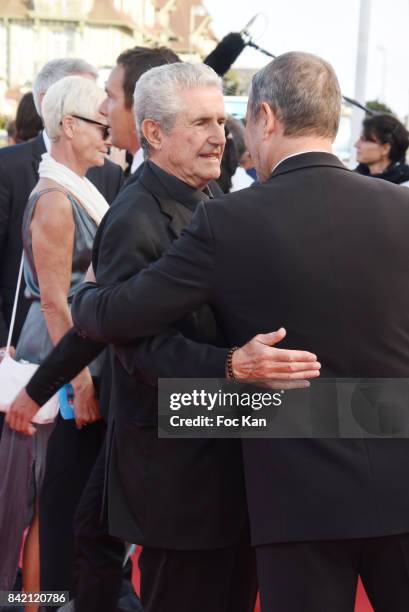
132 178
38 147
37 150
169 191
308 160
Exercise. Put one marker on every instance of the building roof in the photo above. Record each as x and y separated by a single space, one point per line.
160 4
104 12
183 15
183 19
13 9
154 31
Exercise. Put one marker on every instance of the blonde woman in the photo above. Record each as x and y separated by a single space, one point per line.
59 226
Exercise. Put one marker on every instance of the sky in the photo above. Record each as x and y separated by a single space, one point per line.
328 28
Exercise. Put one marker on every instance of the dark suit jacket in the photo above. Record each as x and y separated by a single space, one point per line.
178 494
18 176
324 252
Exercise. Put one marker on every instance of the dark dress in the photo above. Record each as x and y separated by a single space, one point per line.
21 484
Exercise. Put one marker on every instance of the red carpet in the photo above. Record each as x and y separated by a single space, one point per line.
362 603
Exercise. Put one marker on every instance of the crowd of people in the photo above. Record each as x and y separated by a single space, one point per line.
217 519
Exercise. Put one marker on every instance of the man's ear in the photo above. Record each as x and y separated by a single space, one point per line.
40 100
152 133
268 119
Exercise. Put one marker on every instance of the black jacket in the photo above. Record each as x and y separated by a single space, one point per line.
397 173
18 176
177 494
324 252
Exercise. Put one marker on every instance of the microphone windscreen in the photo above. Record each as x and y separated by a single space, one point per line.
226 53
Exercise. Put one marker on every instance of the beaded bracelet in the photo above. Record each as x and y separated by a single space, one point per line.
229 363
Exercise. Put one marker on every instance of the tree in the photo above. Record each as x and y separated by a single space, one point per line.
231 82
3 121
379 107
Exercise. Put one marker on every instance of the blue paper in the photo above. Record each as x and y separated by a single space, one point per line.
66 399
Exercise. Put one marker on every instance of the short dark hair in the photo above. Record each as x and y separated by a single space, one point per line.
28 121
386 129
137 61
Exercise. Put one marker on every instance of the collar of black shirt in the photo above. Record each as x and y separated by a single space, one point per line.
178 190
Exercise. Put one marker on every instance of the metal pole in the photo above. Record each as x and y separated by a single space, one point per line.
360 73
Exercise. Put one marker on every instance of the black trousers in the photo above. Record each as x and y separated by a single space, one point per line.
71 455
171 581
322 576
100 582
222 580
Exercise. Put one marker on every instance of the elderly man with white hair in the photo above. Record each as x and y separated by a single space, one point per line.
183 500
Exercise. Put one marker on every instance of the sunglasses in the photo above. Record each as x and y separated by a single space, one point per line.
104 131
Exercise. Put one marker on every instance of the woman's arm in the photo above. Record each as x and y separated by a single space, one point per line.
53 232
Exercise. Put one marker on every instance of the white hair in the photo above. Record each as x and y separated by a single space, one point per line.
72 95
55 70
157 93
